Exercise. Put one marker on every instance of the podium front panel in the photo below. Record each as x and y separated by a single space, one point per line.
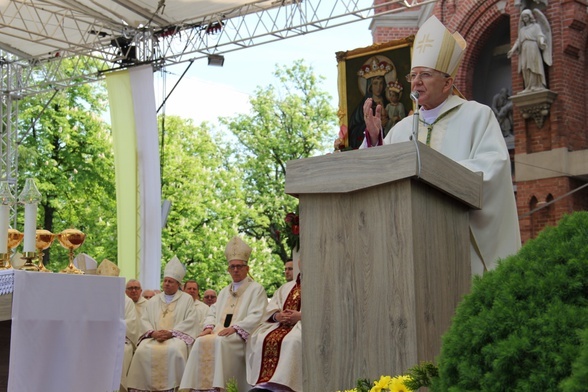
383 269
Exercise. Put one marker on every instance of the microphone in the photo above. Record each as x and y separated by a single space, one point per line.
414 95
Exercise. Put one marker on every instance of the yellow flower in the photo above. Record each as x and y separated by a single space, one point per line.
397 384
382 384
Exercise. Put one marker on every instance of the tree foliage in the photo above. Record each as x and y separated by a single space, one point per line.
206 199
289 121
67 148
219 186
208 202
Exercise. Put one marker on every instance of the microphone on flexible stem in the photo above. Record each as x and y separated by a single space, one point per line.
414 95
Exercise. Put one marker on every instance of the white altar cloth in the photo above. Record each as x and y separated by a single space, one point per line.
68 333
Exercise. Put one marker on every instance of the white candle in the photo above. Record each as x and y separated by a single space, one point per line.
4 218
30 228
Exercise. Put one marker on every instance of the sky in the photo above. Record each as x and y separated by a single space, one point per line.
208 92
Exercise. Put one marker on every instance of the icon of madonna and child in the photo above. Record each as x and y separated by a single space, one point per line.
377 79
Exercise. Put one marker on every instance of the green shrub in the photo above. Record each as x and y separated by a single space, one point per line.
578 382
519 328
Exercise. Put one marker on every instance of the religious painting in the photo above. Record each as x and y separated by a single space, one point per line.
378 72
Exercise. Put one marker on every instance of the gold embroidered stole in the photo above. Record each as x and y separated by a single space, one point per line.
159 354
206 355
272 344
431 125
166 317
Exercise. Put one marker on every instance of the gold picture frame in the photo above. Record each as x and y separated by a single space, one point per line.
358 69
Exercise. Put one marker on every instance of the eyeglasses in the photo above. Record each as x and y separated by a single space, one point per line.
210 296
133 288
424 76
237 267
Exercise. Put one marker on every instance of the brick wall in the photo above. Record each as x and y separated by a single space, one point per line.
384 34
533 194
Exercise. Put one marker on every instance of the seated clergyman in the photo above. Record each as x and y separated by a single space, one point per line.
168 329
218 354
274 350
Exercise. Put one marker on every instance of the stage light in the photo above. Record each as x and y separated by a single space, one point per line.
216 60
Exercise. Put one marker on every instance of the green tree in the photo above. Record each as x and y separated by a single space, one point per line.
217 190
208 202
67 148
289 121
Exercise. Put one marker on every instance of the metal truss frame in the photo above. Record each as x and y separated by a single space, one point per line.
8 139
106 47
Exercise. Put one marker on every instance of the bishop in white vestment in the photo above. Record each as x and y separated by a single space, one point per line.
465 131
168 330
218 354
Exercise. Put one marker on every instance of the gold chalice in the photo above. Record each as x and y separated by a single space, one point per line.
71 239
44 240
14 239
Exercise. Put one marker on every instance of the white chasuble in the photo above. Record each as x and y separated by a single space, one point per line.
158 366
469 133
128 356
140 305
201 310
132 323
214 360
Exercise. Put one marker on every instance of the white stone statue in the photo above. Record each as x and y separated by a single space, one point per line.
534 47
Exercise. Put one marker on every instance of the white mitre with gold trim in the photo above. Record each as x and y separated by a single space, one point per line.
435 47
107 268
174 269
237 249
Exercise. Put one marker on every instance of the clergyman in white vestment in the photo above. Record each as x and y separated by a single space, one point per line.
108 268
133 290
167 333
274 350
132 322
218 354
465 131
191 287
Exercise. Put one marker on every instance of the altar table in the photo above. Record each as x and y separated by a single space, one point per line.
65 332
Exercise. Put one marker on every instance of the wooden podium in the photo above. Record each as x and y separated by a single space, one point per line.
385 251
